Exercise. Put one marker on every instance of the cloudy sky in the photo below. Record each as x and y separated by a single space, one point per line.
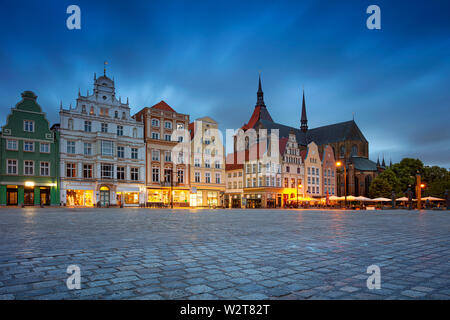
203 58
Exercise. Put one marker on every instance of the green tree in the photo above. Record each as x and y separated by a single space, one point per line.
380 187
436 180
406 171
395 183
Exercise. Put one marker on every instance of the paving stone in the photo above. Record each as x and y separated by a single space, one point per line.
226 254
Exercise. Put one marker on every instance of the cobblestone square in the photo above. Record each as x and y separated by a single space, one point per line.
223 254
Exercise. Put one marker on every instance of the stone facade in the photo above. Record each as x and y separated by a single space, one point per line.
167 142
207 165
29 156
102 150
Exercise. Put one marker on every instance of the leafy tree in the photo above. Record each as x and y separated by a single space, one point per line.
380 187
436 180
406 171
395 183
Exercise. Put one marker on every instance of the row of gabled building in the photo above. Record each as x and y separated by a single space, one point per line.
101 155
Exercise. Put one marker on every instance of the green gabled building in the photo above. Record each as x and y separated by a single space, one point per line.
29 156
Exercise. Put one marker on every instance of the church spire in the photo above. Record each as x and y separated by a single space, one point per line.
304 119
383 163
260 94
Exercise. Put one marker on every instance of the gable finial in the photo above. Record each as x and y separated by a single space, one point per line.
104 67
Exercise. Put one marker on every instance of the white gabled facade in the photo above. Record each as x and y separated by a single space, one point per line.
102 150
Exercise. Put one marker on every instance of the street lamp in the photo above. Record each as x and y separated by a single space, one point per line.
299 186
338 164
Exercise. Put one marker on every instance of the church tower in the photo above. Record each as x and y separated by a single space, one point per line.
304 120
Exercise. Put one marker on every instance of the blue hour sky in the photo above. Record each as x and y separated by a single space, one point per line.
203 58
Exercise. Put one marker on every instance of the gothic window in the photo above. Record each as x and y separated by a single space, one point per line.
354 150
342 151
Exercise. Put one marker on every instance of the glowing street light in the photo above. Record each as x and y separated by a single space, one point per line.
339 164
299 186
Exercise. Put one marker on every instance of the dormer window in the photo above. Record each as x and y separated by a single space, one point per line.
124 116
116 114
83 108
92 111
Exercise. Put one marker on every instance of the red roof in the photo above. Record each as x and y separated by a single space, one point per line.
191 128
282 144
303 154
260 112
162 105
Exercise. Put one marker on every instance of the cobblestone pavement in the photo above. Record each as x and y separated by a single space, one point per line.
223 254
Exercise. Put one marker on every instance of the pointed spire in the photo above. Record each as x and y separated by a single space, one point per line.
95 76
127 100
383 163
79 92
378 161
390 163
60 106
260 94
304 119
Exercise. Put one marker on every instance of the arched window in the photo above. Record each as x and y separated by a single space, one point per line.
116 114
70 124
83 108
342 151
134 133
92 110
247 143
354 150
123 115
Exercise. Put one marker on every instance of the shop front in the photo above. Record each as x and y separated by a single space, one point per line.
29 194
205 198
79 198
164 197
254 201
233 200
128 196
12 195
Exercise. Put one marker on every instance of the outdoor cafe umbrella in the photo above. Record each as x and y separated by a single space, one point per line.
361 198
381 199
402 199
334 198
432 199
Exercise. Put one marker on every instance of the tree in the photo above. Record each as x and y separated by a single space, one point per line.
406 171
390 176
380 187
436 180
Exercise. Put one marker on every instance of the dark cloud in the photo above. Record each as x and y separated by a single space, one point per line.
203 58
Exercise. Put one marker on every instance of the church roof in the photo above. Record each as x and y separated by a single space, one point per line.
260 112
337 132
363 164
162 105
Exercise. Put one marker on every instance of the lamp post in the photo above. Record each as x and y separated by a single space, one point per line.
338 164
299 186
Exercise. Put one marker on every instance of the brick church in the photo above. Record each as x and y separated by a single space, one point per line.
346 139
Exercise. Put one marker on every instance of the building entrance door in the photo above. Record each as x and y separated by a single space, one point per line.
45 196
11 197
104 196
28 197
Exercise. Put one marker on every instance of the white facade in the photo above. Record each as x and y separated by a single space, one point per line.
102 150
